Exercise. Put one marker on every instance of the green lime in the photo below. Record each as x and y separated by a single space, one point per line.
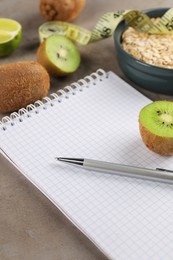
10 36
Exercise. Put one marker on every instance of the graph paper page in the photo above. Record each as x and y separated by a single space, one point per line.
126 218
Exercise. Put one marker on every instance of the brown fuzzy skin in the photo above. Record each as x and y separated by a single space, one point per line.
61 10
158 144
42 58
22 83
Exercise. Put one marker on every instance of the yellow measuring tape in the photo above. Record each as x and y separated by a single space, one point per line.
106 26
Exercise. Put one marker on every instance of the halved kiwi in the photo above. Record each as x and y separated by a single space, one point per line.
58 55
156 126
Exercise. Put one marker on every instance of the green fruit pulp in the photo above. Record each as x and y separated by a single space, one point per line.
62 52
8 47
157 117
10 36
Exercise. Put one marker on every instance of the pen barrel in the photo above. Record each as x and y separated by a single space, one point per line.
129 171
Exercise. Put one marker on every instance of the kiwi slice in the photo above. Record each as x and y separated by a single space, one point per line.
58 55
156 126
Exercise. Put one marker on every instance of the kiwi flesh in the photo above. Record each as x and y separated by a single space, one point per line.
22 83
156 126
58 55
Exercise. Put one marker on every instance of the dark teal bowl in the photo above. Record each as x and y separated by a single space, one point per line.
150 77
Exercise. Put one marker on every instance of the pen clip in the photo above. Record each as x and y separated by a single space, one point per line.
163 170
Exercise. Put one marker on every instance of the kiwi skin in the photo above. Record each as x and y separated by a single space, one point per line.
22 83
44 61
157 144
161 145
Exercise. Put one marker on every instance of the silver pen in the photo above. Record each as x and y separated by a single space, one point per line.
158 174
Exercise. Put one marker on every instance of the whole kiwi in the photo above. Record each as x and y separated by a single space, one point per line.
61 10
22 83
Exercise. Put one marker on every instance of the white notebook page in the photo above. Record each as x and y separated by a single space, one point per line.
126 218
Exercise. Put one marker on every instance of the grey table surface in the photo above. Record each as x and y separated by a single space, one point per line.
31 227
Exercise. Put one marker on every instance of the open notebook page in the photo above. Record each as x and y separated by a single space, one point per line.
126 218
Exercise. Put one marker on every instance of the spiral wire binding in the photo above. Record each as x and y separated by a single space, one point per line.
59 95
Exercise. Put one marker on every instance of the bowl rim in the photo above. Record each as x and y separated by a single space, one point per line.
122 26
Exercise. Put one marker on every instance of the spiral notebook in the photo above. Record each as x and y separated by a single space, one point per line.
96 118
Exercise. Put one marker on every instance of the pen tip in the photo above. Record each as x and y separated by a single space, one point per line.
57 158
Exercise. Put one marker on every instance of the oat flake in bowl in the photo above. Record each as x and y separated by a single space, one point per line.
156 77
155 49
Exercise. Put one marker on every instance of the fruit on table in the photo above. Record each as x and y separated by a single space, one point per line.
22 83
156 126
10 36
61 10
58 55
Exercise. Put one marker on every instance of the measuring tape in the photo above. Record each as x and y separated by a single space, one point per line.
106 26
